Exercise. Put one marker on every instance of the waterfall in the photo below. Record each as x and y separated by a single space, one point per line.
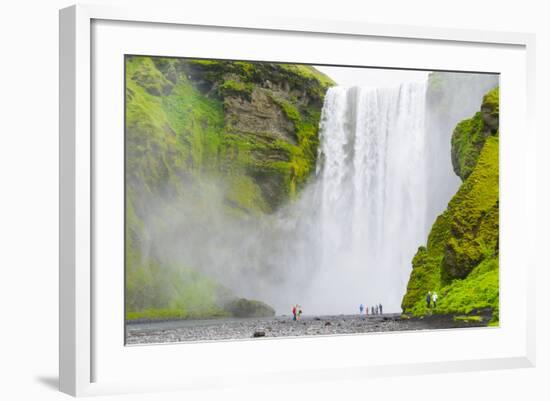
369 196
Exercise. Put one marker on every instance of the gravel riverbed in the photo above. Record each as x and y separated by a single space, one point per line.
282 326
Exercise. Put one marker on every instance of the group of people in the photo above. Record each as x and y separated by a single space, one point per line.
374 310
431 299
296 312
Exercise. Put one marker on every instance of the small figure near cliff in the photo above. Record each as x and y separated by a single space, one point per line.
366 310
381 309
298 312
434 299
294 312
361 309
428 299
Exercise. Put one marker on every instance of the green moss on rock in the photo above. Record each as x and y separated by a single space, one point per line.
470 135
235 88
460 261
150 78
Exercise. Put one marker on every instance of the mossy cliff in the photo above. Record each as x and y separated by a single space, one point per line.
470 135
450 98
252 127
460 260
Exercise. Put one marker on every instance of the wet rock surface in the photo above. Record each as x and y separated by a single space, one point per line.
282 326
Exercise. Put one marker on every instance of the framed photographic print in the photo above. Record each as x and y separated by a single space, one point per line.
238 191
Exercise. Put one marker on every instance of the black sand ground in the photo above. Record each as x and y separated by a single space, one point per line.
282 326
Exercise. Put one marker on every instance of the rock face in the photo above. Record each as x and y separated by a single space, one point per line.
251 128
271 118
259 115
242 307
460 261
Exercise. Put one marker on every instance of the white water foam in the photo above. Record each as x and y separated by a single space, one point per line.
370 195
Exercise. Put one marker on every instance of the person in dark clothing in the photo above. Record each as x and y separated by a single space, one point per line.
428 299
381 309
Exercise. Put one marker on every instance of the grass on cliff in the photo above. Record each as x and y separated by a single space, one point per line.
303 156
491 101
198 122
467 139
236 88
460 261
470 135
310 72
477 292
301 77
173 133
168 136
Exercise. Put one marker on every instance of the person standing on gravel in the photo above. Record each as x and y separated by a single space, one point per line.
434 299
381 309
361 309
294 312
428 299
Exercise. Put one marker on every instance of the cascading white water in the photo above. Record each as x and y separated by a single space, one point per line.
370 195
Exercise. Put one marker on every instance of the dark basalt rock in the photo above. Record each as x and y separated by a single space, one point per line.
242 307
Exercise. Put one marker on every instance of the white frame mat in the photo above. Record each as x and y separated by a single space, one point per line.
94 361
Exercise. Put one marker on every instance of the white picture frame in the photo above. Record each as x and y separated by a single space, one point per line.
81 157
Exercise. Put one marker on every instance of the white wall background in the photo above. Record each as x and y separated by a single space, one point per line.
29 198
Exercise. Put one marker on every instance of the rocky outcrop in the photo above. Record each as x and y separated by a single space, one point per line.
271 119
470 135
242 307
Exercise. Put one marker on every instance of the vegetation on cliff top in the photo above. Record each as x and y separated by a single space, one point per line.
460 261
